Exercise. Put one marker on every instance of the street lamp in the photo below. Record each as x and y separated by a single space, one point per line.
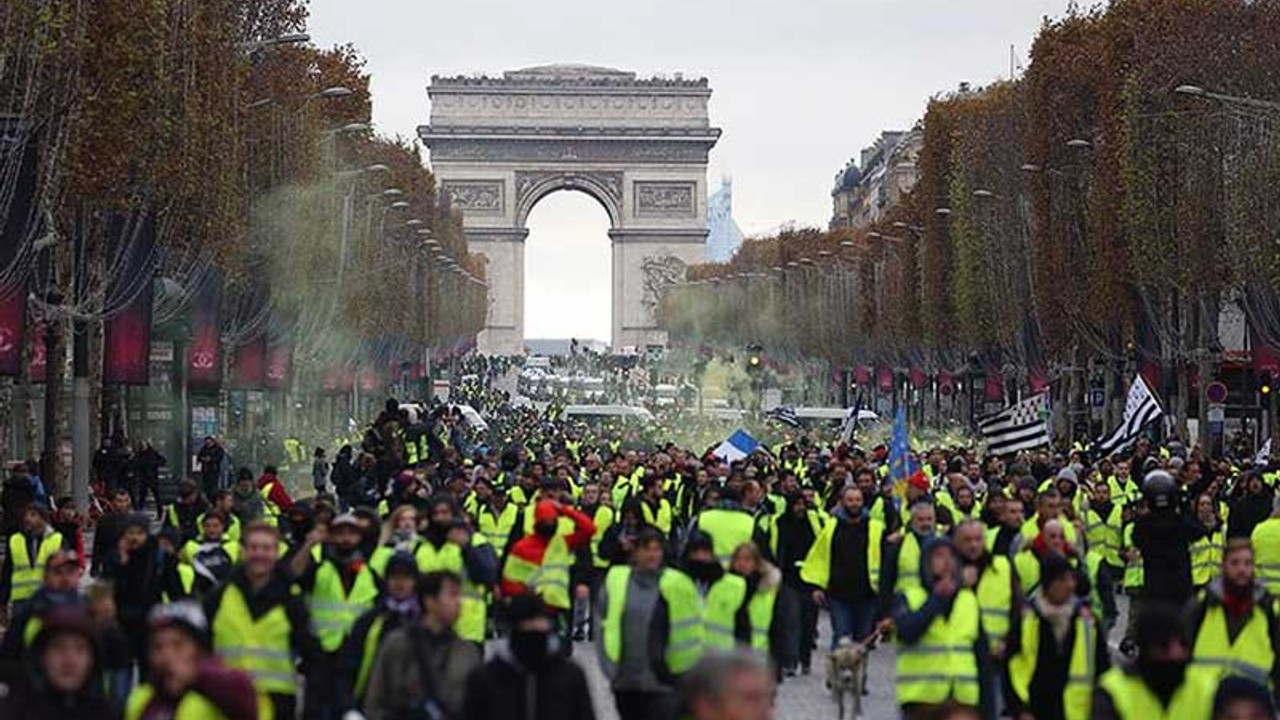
1079 144
400 205
943 211
331 93
983 193
250 47
392 192
1030 168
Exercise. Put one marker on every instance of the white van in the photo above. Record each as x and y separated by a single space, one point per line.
590 413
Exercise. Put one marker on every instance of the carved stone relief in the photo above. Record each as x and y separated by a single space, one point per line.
642 151
528 183
665 199
475 195
660 272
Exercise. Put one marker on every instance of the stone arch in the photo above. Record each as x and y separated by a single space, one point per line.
637 146
604 188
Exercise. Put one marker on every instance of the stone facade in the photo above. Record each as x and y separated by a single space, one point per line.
885 170
638 146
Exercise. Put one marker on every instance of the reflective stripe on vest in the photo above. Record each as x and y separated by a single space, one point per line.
1133 700
941 665
1250 655
1077 697
28 572
995 599
550 579
471 620
260 646
1266 554
333 610
684 641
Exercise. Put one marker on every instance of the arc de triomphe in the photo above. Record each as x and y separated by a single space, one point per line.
638 146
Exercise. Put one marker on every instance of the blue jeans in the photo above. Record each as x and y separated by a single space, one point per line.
851 619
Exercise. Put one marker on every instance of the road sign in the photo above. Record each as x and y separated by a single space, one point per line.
1097 398
1216 392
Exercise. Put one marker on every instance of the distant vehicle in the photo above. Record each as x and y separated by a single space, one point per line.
537 361
832 415
418 412
607 412
727 414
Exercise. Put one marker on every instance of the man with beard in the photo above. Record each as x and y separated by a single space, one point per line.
844 566
1233 622
450 545
1159 683
340 586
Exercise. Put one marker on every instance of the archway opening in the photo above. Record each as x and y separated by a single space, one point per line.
568 275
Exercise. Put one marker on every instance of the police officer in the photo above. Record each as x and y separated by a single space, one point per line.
1164 537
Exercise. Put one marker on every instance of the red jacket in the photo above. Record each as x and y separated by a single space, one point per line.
277 494
533 547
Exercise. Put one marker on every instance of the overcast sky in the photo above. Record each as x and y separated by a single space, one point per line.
798 88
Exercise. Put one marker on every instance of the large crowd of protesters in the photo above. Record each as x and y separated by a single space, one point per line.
428 569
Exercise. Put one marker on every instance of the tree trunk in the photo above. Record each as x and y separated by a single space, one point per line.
6 420
31 425
57 419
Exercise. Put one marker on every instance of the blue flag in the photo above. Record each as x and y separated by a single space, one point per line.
902 467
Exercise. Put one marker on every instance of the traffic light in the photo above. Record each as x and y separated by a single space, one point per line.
1264 385
754 357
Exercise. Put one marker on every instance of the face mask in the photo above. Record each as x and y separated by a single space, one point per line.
1163 677
704 570
533 648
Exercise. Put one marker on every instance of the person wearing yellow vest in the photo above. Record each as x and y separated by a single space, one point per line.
261 626
29 549
224 500
590 566
1103 531
184 514
1206 553
61 588
275 498
739 607
901 567
65 675
942 650
993 581
340 586
540 561
1266 548
651 630
727 524
399 534
1233 622
496 516
1160 684
397 607
1056 652
450 545
844 567
655 506
186 681
211 555
422 669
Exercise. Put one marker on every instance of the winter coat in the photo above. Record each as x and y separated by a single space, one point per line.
397 683
559 691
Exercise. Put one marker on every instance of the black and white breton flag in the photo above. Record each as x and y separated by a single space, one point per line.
1019 427
784 414
1139 409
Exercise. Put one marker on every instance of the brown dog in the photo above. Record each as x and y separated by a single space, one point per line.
847 675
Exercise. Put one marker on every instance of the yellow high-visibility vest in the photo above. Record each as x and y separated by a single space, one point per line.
28 572
1250 655
995 598
1077 696
550 580
941 665
471 621
684 641
1266 554
816 568
261 647
333 610
1133 700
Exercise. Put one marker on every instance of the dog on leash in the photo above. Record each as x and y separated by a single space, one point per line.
847 675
